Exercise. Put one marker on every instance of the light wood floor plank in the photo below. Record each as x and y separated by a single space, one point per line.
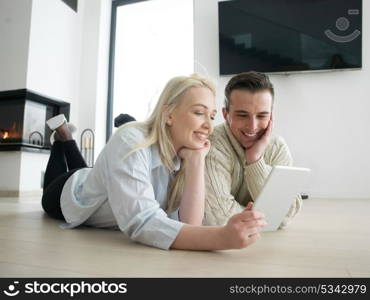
330 238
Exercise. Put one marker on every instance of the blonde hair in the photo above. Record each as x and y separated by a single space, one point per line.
157 130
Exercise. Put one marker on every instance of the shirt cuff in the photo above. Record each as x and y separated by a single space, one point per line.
166 234
255 175
258 169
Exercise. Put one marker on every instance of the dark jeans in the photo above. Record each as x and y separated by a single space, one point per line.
65 159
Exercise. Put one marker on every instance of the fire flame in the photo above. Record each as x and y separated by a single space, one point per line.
9 132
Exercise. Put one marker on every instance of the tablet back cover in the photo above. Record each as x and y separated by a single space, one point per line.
279 192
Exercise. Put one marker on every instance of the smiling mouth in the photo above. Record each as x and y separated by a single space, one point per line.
200 135
249 134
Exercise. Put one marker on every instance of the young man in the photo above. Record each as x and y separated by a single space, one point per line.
243 150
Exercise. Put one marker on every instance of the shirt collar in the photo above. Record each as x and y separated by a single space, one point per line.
177 164
157 161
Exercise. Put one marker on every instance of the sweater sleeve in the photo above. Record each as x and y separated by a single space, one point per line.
220 205
277 154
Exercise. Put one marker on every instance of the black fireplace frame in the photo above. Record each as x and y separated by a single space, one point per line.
23 95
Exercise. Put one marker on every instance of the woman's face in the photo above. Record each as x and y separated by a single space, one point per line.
191 122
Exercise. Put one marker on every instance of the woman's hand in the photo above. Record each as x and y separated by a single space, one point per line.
188 153
243 229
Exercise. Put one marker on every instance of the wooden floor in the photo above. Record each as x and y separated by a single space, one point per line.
330 238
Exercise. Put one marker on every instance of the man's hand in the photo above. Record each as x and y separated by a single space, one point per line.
255 152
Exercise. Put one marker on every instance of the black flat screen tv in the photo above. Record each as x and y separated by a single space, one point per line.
289 35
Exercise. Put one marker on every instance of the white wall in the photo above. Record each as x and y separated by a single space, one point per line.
21 172
93 85
15 18
54 52
102 75
49 48
323 116
31 167
9 171
40 50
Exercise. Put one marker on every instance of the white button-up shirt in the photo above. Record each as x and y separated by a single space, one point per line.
129 193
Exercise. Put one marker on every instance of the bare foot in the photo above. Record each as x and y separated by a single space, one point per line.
63 133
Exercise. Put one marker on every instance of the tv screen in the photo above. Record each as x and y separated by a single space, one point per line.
289 35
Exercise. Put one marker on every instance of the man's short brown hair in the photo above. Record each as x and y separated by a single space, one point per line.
251 81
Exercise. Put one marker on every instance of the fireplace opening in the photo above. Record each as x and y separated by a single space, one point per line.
23 114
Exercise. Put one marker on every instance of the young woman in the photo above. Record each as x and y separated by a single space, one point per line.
127 187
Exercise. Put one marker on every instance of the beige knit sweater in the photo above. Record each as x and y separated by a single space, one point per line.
230 182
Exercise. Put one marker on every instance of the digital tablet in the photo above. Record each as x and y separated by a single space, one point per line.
281 187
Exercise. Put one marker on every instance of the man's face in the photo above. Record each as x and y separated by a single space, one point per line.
249 115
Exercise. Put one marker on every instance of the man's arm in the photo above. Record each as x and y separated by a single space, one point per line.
255 174
220 204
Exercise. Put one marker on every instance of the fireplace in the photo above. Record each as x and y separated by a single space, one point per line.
22 120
